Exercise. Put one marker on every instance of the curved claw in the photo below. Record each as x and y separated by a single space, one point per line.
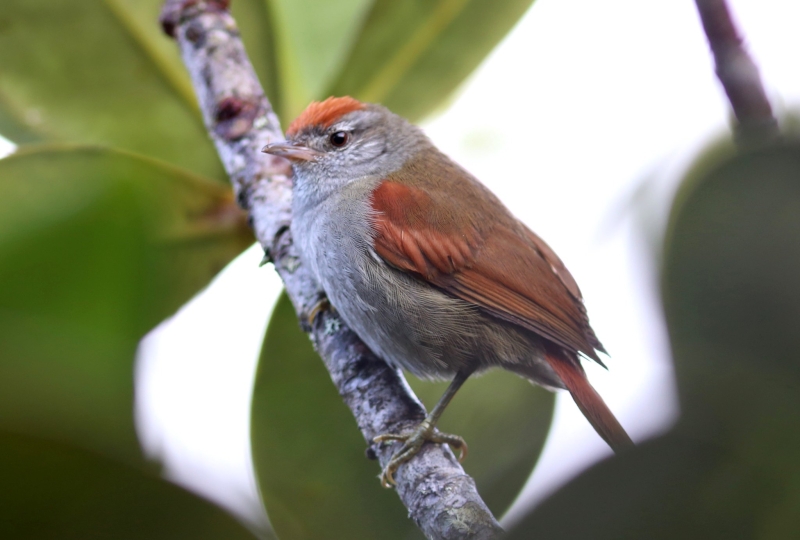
387 476
323 305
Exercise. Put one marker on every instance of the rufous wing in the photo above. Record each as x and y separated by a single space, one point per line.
454 238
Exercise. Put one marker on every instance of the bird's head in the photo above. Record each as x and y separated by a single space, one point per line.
342 139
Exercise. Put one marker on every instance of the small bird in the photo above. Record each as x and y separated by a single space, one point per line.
429 268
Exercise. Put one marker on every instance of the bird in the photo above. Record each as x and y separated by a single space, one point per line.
429 268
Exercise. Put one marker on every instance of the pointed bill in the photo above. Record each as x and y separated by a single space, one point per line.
290 151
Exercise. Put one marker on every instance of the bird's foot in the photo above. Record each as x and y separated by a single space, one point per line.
412 443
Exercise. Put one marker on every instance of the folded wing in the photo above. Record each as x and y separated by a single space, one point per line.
500 266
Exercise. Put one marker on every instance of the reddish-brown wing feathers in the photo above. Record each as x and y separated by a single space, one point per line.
555 263
414 235
434 220
324 113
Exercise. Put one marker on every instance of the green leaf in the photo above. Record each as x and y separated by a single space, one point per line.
732 302
252 18
412 55
314 38
505 421
95 71
309 454
13 128
668 488
731 295
96 247
53 491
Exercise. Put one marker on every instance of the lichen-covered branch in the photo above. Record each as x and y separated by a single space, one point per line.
737 72
440 497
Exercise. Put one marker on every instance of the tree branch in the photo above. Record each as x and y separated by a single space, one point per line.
440 497
737 72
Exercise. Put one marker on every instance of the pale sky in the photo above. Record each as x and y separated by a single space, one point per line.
584 105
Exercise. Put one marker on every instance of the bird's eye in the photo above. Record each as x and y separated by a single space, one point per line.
339 139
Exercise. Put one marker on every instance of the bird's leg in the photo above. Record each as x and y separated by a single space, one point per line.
425 431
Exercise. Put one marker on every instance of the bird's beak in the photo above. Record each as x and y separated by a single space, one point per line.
292 152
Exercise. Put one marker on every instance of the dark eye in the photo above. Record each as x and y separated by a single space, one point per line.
339 139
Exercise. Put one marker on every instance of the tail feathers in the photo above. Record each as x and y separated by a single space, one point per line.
590 403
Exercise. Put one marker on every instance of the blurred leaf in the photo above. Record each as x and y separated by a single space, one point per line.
12 128
314 39
731 294
731 289
666 489
99 72
102 72
51 491
258 31
309 455
505 421
732 301
412 55
252 18
96 247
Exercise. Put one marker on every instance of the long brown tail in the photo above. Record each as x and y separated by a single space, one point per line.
590 403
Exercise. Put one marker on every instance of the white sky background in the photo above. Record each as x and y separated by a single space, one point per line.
578 108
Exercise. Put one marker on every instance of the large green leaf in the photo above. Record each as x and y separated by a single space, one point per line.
731 295
309 455
53 491
732 302
97 71
731 292
96 247
314 39
411 55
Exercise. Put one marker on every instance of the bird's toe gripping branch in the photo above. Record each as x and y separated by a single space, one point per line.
412 444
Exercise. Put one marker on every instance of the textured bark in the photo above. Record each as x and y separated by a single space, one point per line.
738 73
441 498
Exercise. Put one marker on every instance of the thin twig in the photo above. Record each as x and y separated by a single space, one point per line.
440 497
737 72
